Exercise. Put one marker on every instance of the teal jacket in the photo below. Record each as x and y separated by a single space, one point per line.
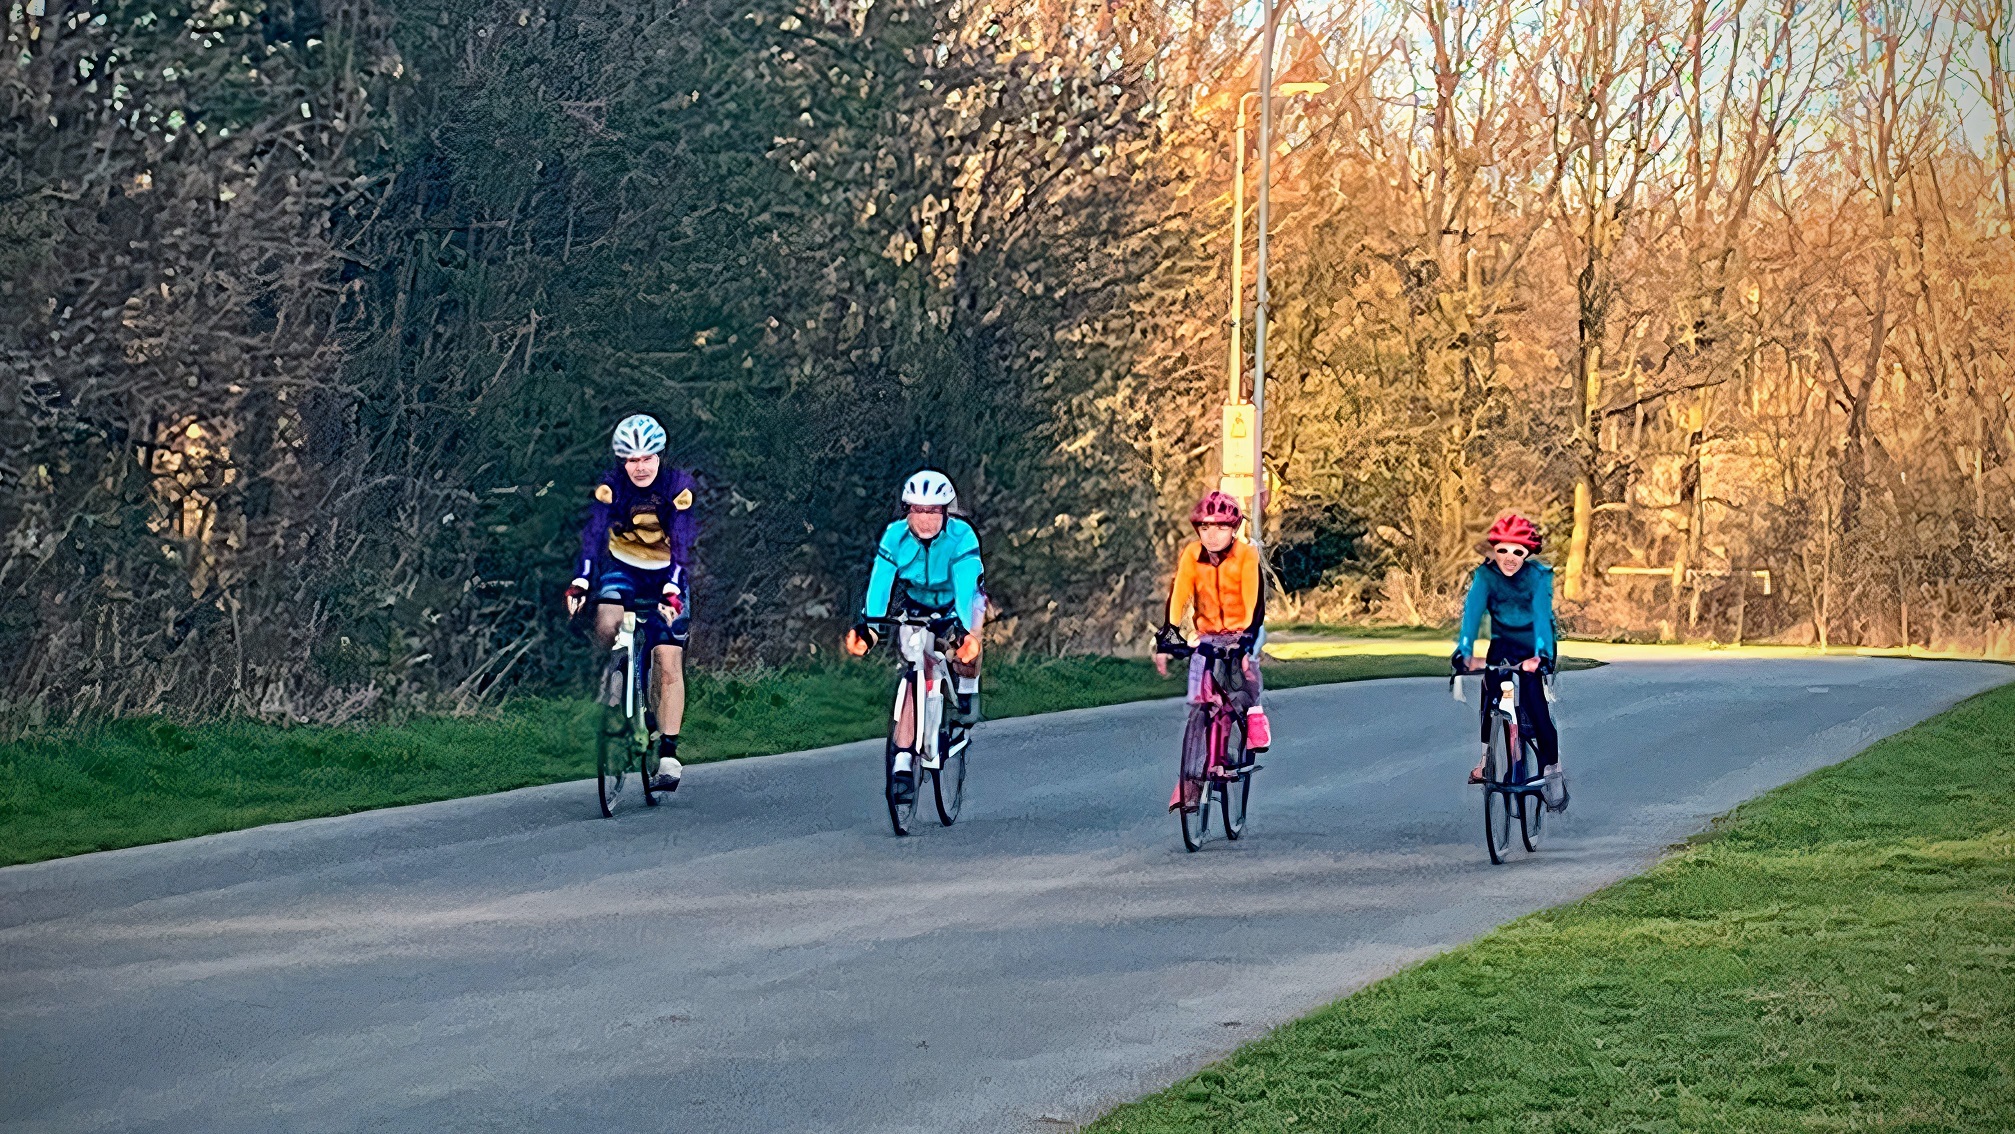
943 574
1521 611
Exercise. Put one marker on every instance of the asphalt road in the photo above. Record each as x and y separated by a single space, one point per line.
761 955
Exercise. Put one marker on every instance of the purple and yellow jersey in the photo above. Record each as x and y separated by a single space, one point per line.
651 528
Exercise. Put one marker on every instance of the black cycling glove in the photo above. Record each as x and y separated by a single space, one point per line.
1168 640
867 633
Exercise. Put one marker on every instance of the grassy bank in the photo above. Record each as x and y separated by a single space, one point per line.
146 781
1837 955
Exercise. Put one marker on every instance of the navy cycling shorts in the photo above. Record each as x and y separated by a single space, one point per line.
639 589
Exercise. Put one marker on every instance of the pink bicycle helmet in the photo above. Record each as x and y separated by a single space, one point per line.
1216 508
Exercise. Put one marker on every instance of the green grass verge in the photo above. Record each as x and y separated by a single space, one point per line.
145 781
1395 631
1836 955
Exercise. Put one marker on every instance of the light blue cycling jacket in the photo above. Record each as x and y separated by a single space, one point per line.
943 573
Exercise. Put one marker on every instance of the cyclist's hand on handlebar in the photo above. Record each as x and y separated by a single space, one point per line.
577 596
861 639
1530 665
968 650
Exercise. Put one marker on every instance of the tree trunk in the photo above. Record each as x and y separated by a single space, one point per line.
1577 543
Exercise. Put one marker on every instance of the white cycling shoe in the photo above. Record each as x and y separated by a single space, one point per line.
1553 788
669 770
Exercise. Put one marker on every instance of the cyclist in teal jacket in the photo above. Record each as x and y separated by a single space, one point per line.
1517 592
928 562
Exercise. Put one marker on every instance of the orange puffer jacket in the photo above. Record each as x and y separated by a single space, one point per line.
1224 594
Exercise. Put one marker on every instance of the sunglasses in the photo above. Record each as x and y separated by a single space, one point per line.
1513 549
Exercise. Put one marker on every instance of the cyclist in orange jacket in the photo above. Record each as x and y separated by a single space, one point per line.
1217 585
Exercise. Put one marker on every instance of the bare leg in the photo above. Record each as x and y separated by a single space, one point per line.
608 620
906 718
670 662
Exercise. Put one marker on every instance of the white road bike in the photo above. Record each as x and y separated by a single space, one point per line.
925 684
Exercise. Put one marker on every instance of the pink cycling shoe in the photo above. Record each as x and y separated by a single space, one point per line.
1258 733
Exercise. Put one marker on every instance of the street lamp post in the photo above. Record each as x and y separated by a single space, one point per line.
1234 387
1269 26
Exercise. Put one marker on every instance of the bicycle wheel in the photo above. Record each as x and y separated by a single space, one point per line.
1531 806
901 814
1196 824
1497 801
948 783
612 741
1233 794
640 738
1195 738
1531 820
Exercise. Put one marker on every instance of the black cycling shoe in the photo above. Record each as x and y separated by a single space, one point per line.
904 785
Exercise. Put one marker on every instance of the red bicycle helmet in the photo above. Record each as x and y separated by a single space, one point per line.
1513 528
1216 508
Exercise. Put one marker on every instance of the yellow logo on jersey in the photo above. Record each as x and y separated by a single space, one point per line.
605 494
683 500
642 541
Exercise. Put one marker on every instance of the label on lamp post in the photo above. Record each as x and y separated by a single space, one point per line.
1238 446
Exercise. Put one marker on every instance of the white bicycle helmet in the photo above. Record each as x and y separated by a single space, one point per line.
929 488
639 435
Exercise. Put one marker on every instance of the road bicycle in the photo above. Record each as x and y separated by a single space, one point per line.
623 744
922 640
1513 787
1214 760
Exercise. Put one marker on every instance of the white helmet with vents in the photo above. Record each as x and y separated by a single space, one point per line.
929 488
639 435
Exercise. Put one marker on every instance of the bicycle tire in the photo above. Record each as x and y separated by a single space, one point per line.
640 737
645 760
901 815
948 783
1233 795
1233 819
1195 823
1497 799
612 754
1531 805
1531 821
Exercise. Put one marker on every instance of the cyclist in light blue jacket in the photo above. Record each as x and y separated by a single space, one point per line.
928 562
1516 590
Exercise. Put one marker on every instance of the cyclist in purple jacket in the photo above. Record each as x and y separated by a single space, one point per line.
638 544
